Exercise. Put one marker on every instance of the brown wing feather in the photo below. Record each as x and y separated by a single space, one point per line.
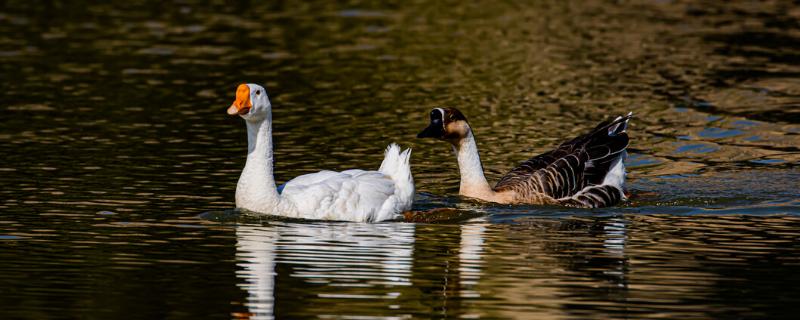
564 171
561 178
526 169
595 197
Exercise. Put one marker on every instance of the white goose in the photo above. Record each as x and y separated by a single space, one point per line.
352 195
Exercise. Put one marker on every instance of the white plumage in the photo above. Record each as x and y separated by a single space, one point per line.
352 195
616 174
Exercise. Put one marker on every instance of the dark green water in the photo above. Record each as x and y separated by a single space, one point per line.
114 141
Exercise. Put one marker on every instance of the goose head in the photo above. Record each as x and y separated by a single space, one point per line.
447 124
252 103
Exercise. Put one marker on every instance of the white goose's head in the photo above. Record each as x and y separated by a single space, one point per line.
252 103
447 124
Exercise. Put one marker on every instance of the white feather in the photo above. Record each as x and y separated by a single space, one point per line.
353 195
616 173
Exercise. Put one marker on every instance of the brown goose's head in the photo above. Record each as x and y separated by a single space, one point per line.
447 124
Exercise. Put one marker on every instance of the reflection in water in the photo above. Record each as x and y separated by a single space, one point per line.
614 243
470 257
280 263
346 257
255 253
294 269
536 267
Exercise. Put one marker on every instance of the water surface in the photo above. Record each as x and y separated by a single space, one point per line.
117 150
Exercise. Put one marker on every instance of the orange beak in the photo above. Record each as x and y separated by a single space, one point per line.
242 104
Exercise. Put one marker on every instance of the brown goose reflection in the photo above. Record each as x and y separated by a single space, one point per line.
550 264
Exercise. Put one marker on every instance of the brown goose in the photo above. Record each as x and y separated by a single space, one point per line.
587 171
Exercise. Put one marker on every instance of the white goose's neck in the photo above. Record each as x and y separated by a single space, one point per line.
256 188
473 183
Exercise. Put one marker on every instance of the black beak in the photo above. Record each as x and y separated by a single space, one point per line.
434 130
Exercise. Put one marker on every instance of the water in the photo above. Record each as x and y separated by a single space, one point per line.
120 164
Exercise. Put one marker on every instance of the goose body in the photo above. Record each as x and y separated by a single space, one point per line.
587 171
352 195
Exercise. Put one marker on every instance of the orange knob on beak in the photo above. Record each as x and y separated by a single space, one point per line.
242 104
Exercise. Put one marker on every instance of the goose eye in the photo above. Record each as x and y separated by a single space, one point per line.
258 92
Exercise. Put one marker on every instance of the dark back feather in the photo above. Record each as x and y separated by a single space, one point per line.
573 165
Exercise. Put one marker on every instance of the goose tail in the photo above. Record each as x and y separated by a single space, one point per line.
606 146
396 164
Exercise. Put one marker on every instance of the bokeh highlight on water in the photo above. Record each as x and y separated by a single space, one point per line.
120 164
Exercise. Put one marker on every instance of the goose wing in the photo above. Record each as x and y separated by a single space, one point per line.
353 195
301 182
561 178
526 170
594 197
572 166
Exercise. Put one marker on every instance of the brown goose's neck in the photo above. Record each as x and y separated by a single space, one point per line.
473 182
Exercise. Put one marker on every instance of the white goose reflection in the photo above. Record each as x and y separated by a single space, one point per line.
255 255
345 257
